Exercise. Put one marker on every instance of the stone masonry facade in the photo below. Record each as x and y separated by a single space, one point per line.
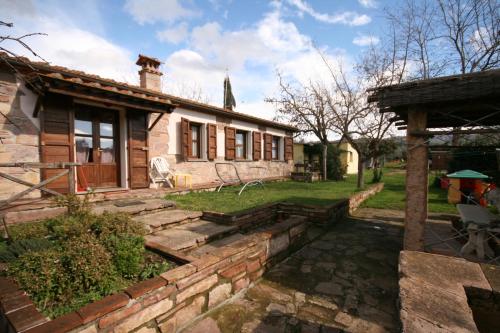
19 137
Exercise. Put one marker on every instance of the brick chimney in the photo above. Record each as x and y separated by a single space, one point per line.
149 75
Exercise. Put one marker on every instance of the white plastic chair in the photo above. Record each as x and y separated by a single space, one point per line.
160 171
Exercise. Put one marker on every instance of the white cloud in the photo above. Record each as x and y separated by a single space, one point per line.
347 18
151 11
70 46
368 3
365 40
174 35
251 56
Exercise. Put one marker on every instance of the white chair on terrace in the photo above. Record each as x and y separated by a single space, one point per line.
160 171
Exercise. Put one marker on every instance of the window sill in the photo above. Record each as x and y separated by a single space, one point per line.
197 160
279 161
243 160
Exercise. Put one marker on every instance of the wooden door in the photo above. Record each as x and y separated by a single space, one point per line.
97 147
138 149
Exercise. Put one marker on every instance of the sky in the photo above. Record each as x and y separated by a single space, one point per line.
200 41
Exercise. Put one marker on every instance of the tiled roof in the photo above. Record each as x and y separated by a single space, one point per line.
32 68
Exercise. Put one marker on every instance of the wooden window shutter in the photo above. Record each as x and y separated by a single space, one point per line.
185 138
288 148
56 139
256 146
211 141
268 147
230 142
138 149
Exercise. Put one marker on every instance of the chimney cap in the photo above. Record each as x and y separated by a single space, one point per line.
145 60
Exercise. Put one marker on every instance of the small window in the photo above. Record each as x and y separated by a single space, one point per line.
241 145
351 158
195 135
275 148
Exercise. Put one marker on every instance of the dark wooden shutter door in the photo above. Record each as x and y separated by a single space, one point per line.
211 141
230 142
256 146
268 147
288 148
185 138
56 138
138 149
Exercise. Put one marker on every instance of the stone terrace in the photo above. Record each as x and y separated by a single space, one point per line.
345 280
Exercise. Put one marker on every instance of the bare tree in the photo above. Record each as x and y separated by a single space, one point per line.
471 29
307 108
20 40
192 92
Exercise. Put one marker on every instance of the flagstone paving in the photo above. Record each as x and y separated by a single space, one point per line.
345 281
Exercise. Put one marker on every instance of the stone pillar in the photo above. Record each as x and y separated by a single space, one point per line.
417 167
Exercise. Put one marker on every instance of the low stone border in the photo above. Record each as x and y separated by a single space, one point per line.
323 215
359 197
172 300
434 290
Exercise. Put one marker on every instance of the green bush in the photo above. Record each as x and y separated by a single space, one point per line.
28 230
89 265
128 254
20 247
377 175
42 275
70 260
334 168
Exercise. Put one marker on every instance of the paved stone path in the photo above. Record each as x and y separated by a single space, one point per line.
345 281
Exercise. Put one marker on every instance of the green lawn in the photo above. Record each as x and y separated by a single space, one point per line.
317 193
393 196
228 201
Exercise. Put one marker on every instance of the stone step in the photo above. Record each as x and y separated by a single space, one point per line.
190 235
130 206
133 206
165 219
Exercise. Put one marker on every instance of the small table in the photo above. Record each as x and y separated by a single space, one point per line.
187 179
477 219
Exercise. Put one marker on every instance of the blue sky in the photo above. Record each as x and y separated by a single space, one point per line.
199 40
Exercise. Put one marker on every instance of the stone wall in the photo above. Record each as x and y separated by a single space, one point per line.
172 300
358 198
19 135
323 215
204 171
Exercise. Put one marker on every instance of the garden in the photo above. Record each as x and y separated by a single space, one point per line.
69 261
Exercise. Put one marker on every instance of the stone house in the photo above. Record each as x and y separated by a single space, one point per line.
55 114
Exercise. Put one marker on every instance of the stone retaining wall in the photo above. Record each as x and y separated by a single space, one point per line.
358 198
172 300
323 215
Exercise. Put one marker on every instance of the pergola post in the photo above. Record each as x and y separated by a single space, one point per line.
417 180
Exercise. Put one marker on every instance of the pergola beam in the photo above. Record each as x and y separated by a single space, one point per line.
463 131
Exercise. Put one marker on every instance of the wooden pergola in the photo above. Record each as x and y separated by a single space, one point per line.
459 104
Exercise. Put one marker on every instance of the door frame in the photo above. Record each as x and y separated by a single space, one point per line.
117 130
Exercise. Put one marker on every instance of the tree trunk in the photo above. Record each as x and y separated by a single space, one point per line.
325 151
361 173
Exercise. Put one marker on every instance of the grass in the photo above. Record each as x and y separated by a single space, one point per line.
317 193
228 201
393 196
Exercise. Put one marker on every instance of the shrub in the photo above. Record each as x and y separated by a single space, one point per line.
20 247
377 175
334 168
28 230
127 252
42 275
89 265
